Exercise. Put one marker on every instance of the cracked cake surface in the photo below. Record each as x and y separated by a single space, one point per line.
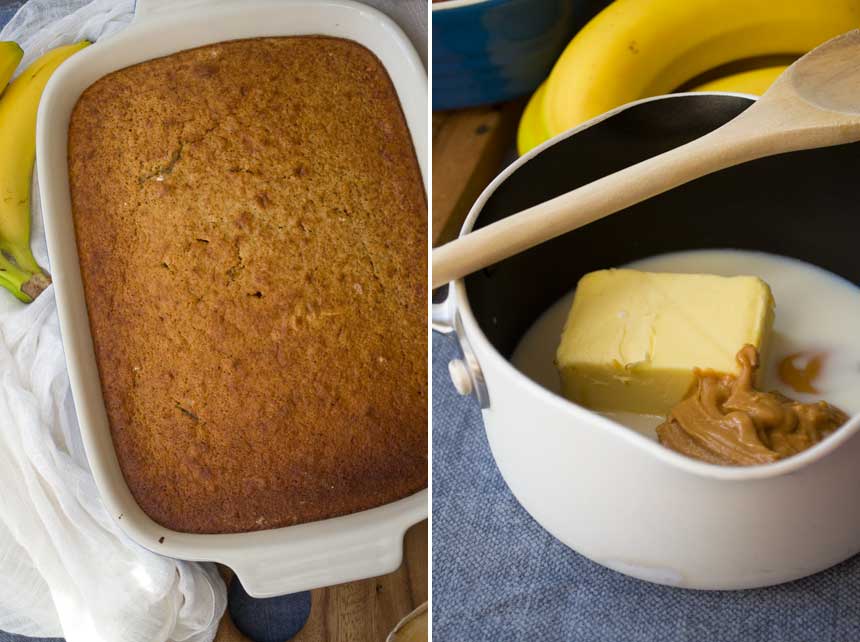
251 227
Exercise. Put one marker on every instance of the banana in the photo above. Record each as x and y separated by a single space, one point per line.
639 48
754 81
532 130
10 56
19 272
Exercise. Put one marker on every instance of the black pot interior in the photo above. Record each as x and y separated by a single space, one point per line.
801 205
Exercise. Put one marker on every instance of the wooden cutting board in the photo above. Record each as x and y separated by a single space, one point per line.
361 611
469 149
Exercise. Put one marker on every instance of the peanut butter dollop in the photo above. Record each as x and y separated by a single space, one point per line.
725 420
801 378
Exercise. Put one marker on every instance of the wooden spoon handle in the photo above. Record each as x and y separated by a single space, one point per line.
717 150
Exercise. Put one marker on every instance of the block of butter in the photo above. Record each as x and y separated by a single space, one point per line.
632 339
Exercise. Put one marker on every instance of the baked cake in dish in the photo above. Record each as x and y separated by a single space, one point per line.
251 226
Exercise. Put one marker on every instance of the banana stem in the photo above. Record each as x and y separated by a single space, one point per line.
25 285
36 284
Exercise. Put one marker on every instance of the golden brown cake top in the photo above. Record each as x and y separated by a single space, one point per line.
251 225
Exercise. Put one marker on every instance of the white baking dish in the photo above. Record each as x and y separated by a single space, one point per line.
609 492
267 562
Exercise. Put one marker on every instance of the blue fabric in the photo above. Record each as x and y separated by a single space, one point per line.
7 10
8 637
498 576
273 619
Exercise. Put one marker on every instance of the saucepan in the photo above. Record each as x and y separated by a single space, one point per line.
611 493
267 562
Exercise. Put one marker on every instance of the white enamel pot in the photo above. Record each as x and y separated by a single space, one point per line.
268 562
608 492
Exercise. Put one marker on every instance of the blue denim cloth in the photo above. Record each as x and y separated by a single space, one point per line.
7 10
498 576
9 637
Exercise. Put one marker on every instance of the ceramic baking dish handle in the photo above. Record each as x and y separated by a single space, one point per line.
263 576
341 549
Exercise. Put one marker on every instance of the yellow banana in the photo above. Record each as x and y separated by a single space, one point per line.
754 81
532 130
639 48
19 272
10 56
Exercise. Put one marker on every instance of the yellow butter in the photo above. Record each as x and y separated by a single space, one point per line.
632 339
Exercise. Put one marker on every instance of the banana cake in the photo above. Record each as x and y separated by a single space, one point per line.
251 226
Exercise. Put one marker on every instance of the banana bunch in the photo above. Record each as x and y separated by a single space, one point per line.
639 48
19 272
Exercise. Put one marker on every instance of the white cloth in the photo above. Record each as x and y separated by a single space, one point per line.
65 568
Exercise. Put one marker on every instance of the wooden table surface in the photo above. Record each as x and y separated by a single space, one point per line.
361 611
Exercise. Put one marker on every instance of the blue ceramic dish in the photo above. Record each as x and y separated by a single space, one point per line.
488 51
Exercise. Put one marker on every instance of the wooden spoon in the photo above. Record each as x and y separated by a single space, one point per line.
815 103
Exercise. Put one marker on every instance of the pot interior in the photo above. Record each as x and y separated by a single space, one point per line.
801 205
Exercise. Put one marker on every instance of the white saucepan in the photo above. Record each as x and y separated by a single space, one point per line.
606 491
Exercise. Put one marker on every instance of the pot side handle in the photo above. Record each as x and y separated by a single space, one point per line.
442 310
465 373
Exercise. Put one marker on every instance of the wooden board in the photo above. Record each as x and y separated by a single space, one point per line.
469 147
364 610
